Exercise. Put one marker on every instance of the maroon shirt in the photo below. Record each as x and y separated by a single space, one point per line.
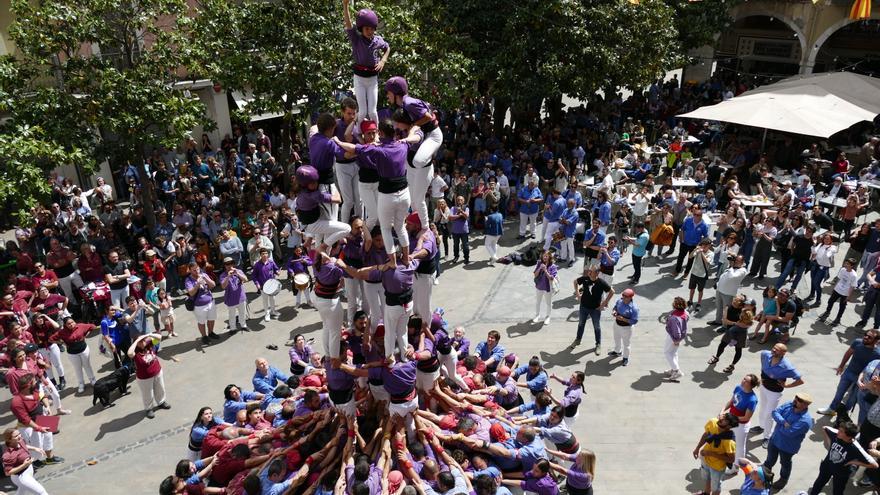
146 363
15 456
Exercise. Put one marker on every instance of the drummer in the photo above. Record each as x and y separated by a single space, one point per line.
264 272
298 270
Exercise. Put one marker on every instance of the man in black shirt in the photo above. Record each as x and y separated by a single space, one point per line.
843 452
801 249
588 289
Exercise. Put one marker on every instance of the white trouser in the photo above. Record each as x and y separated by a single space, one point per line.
34 438
670 350
347 181
609 279
419 180
379 393
117 296
366 92
193 455
268 303
374 299
546 297
528 223
432 142
741 435
152 390
423 284
329 211
50 390
66 284
406 411
53 355
396 318
82 362
492 246
327 231
348 409
448 368
549 229
26 483
369 195
567 250
331 321
299 296
393 209
768 401
238 311
354 295
622 337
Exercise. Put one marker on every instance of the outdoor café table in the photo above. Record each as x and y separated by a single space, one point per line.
676 182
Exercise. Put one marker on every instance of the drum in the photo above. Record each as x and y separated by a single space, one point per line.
301 281
271 287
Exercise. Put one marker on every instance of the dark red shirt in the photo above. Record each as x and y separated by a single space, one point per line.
146 363
15 456
22 405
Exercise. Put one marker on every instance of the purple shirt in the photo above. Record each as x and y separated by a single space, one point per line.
577 478
323 152
299 265
353 252
233 295
400 279
509 399
302 410
297 355
366 52
572 395
389 159
374 481
339 380
263 272
375 256
544 485
463 345
328 274
341 126
429 242
400 378
416 108
309 200
542 282
460 225
203 296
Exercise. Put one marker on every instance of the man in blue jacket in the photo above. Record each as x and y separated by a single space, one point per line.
568 224
493 227
552 213
529 200
793 422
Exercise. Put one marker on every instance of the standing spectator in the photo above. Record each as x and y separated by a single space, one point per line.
545 280
676 331
230 245
843 453
715 450
198 288
589 289
626 315
861 352
74 336
438 189
640 247
232 281
793 422
18 463
843 289
568 225
25 406
529 200
553 210
801 246
872 299
871 254
609 256
441 220
764 236
692 231
116 274
61 258
776 370
149 373
736 322
458 218
821 261
699 261
742 405
494 229
727 287
154 269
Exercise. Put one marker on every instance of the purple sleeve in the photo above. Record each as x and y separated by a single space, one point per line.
553 270
352 34
572 396
326 198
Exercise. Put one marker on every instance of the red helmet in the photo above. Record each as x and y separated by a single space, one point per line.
306 174
397 85
366 18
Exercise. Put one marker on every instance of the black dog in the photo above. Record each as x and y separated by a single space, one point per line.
103 386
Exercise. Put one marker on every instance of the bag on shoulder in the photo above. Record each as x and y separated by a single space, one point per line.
190 303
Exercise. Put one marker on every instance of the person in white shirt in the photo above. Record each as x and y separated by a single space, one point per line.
641 202
822 260
254 245
276 199
846 282
728 286
438 188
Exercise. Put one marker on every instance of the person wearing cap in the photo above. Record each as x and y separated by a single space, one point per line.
368 176
529 200
716 450
422 116
424 249
776 371
861 352
232 281
793 422
311 210
369 53
626 315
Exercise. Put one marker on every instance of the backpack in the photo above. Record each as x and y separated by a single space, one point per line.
799 308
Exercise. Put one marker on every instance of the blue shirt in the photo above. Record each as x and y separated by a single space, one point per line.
536 383
610 258
629 311
694 233
640 246
231 407
573 194
603 212
527 454
482 350
861 356
780 371
266 384
493 224
789 439
557 206
270 488
570 215
744 401
529 208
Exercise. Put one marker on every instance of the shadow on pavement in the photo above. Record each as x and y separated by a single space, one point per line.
601 367
709 378
563 358
648 382
119 424
523 328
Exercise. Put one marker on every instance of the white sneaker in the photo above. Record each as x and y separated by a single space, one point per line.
547 321
267 317
675 375
536 319
436 281
276 314
826 411
81 388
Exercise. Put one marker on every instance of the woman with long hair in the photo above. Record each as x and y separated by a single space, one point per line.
205 420
18 463
580 475
544 277
737 320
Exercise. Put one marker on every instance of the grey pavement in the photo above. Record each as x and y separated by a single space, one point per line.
642 428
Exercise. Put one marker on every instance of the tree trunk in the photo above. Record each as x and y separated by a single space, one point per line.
147 194
500 111
286 144
553 105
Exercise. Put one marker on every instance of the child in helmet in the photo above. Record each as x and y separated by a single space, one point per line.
369 52
308 208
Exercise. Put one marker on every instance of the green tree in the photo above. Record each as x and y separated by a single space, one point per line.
112 65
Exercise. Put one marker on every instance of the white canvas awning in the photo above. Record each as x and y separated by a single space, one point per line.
815 105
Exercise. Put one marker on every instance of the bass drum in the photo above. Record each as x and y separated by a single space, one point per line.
271 287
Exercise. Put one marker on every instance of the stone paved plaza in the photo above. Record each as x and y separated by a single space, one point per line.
642 428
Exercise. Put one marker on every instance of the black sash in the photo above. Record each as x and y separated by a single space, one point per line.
571 410
392 185
429 365
340 396
771 384
399 299
403 398
326 176
307 217
427 266
368 175
428 127
363 71
325 292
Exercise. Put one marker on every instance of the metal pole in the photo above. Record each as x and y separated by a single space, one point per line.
763 140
